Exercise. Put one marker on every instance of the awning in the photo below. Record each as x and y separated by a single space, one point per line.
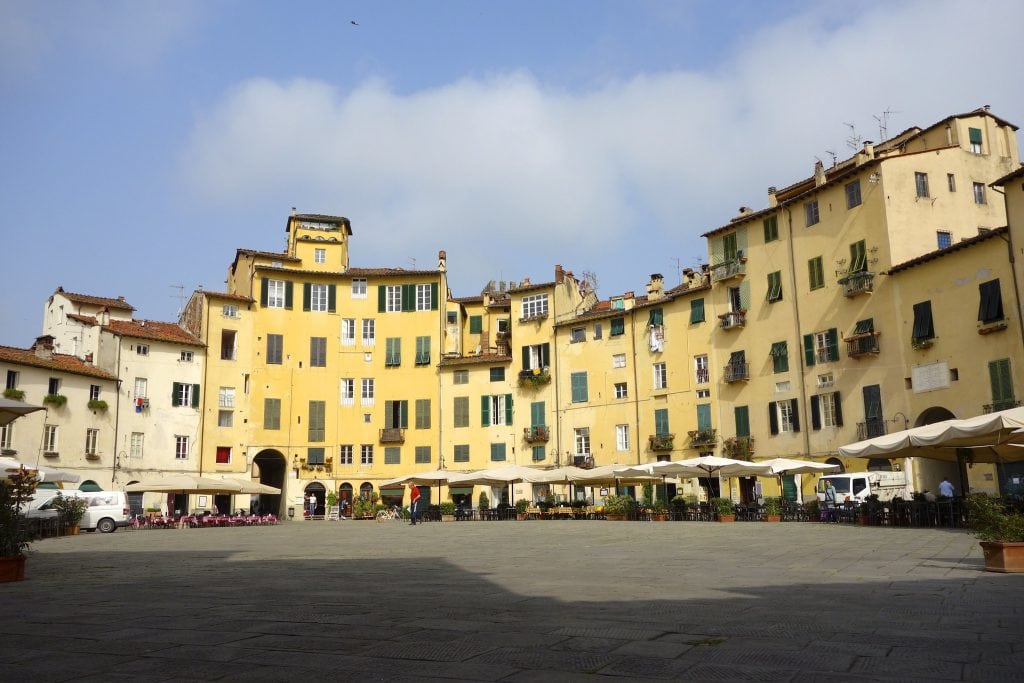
461 490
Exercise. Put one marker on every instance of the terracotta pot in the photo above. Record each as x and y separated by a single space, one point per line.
1003 557
72 530
773 518
659 517
726 518
615 518
12 568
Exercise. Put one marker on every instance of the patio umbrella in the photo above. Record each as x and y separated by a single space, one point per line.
11 410
185 483
436 477
724 467
783 466
255 487
498 476
663 469
45 473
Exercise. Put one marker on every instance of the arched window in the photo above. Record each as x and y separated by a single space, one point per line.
836 461
366 490
879 465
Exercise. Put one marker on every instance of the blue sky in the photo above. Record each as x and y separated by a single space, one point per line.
144 142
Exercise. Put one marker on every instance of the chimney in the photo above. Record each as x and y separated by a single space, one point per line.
43 347
866 154
88 358
526 282
442 261
293 211
103 316
743 212
656 287
559 274
819 174
773 201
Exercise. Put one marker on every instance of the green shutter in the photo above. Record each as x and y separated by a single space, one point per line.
382 293
498 452
476 325
545 355
796 414
508 409
745 295
696 311
858 257
975 135
619 325
264 291
433 296
195 395
704 416
175 393
773 418
485 411
307 294
742 414
657 317
838 409
661 427
809 349
537 414
815 413
408 297
332 298
1002 382
832 343
288 295
403 407
729 246
741 242
579 387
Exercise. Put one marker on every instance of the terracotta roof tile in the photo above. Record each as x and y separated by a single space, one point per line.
939 253
120 304
58 361
228 295
153 330
478 299
530 287
388 271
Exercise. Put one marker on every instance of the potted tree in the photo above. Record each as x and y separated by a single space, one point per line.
659 511
16 488
617 508
522 505
1001 533
724 509
483 502
773 509
678 505
447 509
71 511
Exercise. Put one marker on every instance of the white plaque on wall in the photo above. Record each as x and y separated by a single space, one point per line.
930 377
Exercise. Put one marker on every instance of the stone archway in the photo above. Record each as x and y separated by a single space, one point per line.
928 473
933 415
836 461
269 466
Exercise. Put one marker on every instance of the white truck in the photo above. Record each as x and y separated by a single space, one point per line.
857 486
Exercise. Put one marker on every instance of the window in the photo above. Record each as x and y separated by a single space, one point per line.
345 454
780 357
782 417
815 273
991 308
858 257
618 327
422 413
229 311
393 354
91 437
12 379
696 311
1002 384
771 228
366 454
185 395
660 376
223 456
853 194
620 390
461 411
318 297
476 324
392 298
422 455
783 387
318 352
730 246
619 360
185 357
369 332
319 255
826 411
424 300
496 410
316 421
275 349
497 452
536 356
622 437
460 453
774 286
227 344
348 331
741 415
94 392
821 347
924 329
811 216
271 413
921 184
598 331
943 238
276 293
422 350
535 306
581 437
979 193
366 393
358 288
538 453
497 374
142 349
700 364
703 393
50 438
226 397
392 455
577 334
974 135
460 377
137 441
951 182
578 381
181 447
348 391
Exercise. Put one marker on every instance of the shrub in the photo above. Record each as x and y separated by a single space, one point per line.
990 521
70 509
484 501
723 506
447 508
521 505
773 505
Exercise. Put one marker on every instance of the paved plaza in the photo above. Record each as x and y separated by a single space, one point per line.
540 600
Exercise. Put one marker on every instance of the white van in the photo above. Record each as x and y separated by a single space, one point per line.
857 486
107 510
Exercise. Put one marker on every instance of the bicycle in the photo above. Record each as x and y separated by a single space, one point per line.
394 513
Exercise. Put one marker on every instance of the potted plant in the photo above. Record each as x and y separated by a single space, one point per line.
724 509
16 489
773 509
1001 533
616 508
870 508
14 394
659 511
56 400
71 510
522 505
678 505
483 502
447 509
97 404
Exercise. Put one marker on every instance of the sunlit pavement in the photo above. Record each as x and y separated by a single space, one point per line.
538 600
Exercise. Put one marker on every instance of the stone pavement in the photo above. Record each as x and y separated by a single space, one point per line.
540 600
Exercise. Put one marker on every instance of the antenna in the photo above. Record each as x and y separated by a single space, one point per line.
854 141
412 260
883 123
180 296
832 154
679 267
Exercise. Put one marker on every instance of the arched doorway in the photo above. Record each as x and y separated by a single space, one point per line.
366 491
317 489
269 467
933 415
836 461
928 473
135 501
345 499
879 465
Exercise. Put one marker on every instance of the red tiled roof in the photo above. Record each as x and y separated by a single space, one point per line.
475 360
228 295
479 298
932 255
276 255
95 300
59 361
389 271
85 319
530 287
153 330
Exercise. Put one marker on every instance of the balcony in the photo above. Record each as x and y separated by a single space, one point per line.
661 442
996 406
728 270
536 434
860 282
861 344
703 376
736 372
728 321
534 377
738 447
584 461
392 435
701 438
870 429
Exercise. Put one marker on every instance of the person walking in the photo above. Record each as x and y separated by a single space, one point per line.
414 502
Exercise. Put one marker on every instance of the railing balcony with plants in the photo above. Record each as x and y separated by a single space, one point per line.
859 282
736 371
392 435
700 438
728 269
584 461
861 344
536 434
55 399
732 319
738 447
662 442
534 377
14 394
870 429
996 406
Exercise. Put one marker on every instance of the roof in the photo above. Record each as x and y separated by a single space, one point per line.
59 361
531 287
227 295
341 221
980 111
119 302
475 360
939 253
153 330
603 309
478 299
1012 175
276 255
389 271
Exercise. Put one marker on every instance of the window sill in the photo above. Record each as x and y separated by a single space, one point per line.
989 328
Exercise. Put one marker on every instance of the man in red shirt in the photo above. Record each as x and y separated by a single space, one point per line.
414 501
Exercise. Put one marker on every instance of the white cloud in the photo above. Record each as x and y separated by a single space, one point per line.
510 174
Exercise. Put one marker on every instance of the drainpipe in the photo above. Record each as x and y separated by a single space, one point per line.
800 355
636 385
117 412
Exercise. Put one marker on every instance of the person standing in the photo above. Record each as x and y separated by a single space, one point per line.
312 505
830 500
414 502
946 488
